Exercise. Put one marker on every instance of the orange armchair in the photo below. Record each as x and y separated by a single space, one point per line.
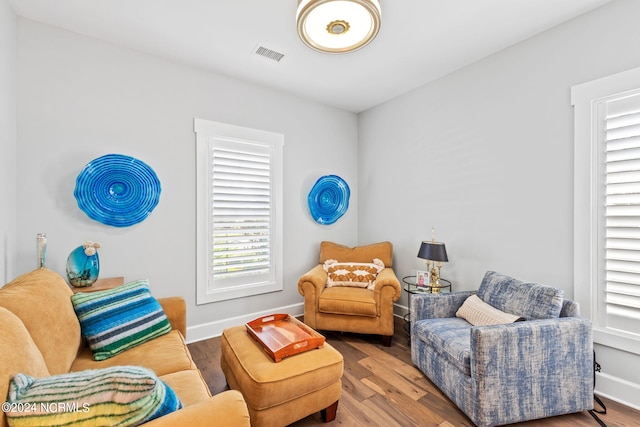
348 308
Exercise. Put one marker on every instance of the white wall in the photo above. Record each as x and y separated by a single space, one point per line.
8 67
80 98
485 155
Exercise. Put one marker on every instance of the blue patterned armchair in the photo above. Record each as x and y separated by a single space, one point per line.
506 373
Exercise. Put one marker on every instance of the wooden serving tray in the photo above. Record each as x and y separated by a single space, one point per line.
282 335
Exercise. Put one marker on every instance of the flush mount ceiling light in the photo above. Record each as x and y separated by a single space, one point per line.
338 26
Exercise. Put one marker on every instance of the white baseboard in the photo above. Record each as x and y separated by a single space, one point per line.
214 329
618 389
399 310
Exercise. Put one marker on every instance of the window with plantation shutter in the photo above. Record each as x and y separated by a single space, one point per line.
239 211
607 207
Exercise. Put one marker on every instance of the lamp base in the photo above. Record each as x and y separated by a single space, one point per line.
435 287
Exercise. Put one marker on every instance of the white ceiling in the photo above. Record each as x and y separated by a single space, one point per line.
419 40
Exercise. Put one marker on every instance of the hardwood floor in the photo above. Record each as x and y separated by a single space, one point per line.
382 387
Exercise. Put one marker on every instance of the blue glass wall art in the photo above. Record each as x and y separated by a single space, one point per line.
117 190
329 199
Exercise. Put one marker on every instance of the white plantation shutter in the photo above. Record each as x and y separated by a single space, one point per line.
239 234
241 206
621 117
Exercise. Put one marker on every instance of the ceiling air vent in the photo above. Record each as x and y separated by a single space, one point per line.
268 53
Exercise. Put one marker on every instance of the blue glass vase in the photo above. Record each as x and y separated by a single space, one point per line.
82 269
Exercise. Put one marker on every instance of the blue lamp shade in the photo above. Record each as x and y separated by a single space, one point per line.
117 190
434 251
329 199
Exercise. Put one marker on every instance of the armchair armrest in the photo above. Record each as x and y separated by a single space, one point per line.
436 306
224 409
310 286
541 367
316 277
387 277
176 310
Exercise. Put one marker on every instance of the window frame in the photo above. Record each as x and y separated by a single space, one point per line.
588 289
207 133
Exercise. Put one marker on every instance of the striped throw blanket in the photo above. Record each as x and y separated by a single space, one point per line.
118 319
116 396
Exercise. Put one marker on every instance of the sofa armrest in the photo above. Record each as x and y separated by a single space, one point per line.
387 277
316 276
224 409
176 310
540 367
436 306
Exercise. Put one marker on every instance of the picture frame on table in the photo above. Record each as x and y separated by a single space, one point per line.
422 278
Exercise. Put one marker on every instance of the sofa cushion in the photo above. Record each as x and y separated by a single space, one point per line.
357 274
570 308
163 355
450 337
41 299
188 385
122 395
347 300
383 251
18 353
525 299
479 313
121 318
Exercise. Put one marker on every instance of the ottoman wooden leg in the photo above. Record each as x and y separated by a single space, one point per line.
329 414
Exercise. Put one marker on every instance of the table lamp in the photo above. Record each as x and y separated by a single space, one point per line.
435 253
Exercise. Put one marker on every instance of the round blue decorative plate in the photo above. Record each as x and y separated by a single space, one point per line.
117 190
329 199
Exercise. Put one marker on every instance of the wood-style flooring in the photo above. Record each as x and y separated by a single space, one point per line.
382 387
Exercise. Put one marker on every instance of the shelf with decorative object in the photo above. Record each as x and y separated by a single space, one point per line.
101 285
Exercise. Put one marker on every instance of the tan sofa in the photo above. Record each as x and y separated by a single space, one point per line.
40 336
351 309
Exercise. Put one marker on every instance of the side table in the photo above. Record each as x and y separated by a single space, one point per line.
100 285
412 288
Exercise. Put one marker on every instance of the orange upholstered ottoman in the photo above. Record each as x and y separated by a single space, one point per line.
277 394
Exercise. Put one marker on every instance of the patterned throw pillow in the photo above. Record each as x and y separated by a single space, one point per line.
356 274
116 396
121 318
479 313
